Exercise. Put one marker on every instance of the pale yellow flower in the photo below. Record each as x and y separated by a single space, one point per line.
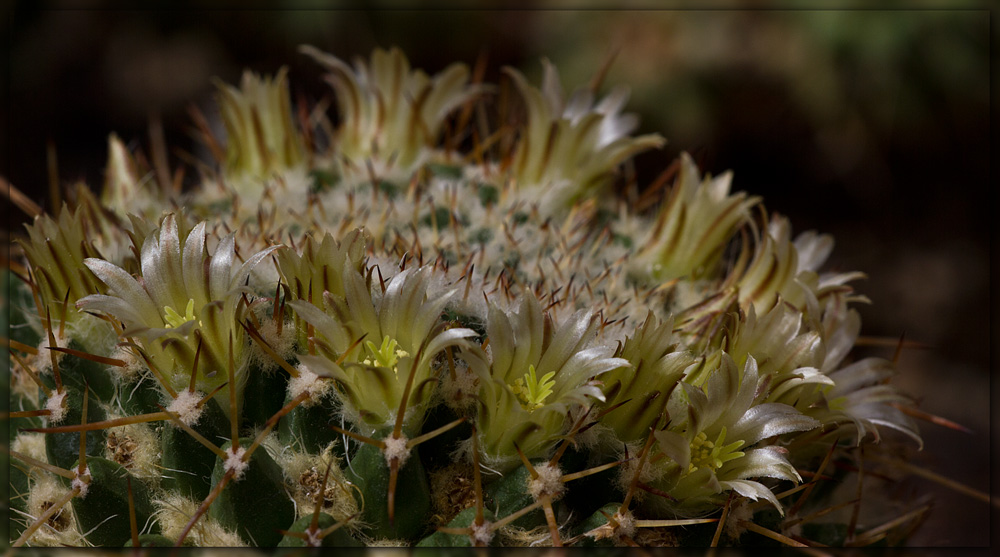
260 135
391 115
535 374
183 294
714 442
569 148
693 226
371 343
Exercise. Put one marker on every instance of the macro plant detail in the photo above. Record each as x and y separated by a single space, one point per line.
416 327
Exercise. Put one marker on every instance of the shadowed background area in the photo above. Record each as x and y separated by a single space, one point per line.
872 126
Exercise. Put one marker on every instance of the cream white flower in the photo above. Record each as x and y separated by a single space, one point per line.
657 363
56 249
778 271
400 331
260 135
862 399
693 226
320 266
183 294
536 373
790 353
391 115
713 445
570 147
129 187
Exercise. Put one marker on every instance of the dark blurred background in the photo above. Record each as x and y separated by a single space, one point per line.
869 125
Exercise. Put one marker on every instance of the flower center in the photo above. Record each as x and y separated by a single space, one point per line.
386 355
533 391
705 453
174 319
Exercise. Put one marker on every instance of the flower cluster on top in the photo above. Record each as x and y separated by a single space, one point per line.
505 282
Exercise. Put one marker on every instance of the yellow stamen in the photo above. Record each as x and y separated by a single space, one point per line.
531 391
387 355
712 454
174 319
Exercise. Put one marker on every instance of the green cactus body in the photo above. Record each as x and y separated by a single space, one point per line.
263 396
254 505
510 494
141 397
464 519
308 429
188 464
370 472
340 537
104 511
63 449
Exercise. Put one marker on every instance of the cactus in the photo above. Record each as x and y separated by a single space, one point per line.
411 329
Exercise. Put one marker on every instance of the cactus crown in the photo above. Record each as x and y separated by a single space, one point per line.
363 334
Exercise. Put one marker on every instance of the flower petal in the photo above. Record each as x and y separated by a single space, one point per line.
162 266
325 325
675 446
767 420
753 490
885 416
124 286
248 265
748 392
722 389
450 337
501 335
113 305
220 270
359 300
567 341
528 327
769 462
859 374
194 266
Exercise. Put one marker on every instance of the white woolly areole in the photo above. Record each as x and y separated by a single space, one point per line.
283 344
79 483
57 410
626 523
308 381
173 511
139 444
42 361
548 482
133 365
45 490
186 407
306 472
236 463
313 539
740 513
395 447
460 393
481 534
626 473
30 444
